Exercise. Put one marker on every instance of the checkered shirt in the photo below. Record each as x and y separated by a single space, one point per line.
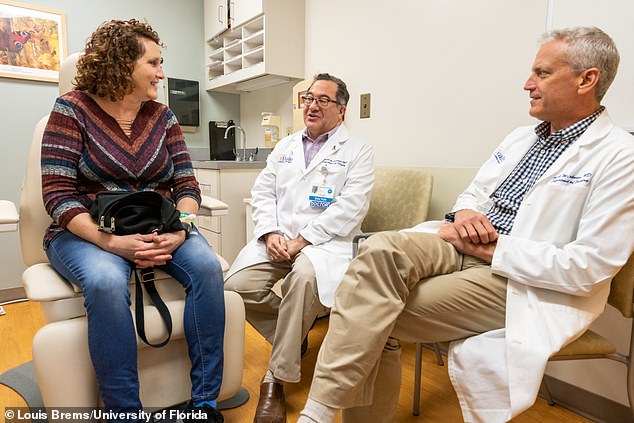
542 154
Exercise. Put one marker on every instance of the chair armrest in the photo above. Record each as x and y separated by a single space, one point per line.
357 240
210 206
9 217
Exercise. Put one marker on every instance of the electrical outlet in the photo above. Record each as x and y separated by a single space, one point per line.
364 108
289 130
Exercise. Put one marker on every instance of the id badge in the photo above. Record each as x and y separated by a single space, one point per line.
321 196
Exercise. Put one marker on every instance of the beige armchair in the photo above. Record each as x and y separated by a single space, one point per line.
60 349
400 200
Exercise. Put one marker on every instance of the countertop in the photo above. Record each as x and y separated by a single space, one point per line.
228 164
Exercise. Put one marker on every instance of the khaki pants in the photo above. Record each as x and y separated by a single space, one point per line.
408 286
284 322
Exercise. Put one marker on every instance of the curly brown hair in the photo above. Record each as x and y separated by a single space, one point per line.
105 68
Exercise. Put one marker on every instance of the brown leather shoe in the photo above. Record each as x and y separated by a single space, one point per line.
271 405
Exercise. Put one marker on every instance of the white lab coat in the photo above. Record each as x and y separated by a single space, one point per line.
571 235
280 203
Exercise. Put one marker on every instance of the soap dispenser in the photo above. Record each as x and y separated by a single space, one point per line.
272 124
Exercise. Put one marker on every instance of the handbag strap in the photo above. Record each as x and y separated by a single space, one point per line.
147 279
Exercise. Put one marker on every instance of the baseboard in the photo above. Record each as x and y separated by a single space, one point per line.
11 294
585 403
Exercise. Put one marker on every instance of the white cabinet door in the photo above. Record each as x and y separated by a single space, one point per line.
216 14
243 10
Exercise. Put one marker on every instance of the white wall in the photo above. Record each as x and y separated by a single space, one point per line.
445 76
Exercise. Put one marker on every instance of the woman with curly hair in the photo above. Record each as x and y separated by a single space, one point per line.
111 134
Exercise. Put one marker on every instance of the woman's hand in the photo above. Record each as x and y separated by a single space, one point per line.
146 250
143 250
159 250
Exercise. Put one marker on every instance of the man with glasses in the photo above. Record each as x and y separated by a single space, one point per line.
308 204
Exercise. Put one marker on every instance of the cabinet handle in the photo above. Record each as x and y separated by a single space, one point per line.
220 14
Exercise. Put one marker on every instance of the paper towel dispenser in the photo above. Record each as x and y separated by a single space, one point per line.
182 99
219 147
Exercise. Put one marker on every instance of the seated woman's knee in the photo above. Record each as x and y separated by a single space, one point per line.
106 284
200 258
206 264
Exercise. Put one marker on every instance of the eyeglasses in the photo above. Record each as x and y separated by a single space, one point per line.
321 101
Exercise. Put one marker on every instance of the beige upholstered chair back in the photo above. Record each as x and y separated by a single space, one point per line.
622 289
400 199
33 217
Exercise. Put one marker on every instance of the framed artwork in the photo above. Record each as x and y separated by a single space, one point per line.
32 41
300 102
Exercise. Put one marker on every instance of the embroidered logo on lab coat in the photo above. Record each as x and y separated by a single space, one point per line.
285 158
499 156
573 179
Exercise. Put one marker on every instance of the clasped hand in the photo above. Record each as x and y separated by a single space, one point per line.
280 250
147 250
471 233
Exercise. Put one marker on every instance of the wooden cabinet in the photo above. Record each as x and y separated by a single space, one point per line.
226 233
264 50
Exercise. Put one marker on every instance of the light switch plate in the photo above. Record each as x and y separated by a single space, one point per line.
364 106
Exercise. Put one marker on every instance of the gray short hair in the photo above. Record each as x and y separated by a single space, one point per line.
589 47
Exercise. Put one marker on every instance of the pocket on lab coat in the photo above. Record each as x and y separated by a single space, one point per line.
556 210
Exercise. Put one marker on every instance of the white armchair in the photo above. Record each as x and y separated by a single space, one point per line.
60 349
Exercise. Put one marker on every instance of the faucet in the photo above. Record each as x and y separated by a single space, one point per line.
244 143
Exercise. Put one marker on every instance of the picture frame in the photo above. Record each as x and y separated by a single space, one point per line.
32 41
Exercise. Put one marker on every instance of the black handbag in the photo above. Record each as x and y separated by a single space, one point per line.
141 212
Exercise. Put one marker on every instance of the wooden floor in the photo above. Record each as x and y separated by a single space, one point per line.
438 404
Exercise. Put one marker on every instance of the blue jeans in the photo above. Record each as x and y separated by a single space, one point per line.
103 278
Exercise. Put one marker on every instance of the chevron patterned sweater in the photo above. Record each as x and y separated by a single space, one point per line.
84 151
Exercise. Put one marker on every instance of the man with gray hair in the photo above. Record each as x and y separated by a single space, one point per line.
521 266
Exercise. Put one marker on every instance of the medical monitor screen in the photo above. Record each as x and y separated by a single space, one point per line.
182 99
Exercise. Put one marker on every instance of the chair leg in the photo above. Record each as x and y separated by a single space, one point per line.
439 359
417 375
549 397
630 384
